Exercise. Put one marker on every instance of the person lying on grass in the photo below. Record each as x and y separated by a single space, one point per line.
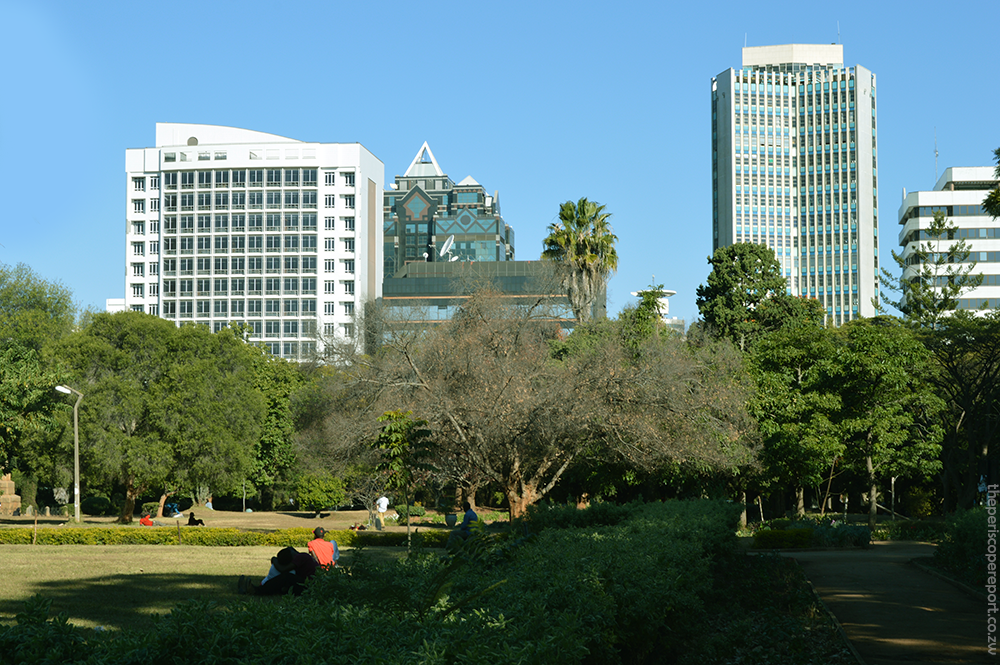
289 569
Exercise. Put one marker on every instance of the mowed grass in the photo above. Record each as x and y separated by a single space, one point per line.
122 587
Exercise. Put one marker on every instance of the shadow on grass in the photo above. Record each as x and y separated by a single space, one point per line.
126 601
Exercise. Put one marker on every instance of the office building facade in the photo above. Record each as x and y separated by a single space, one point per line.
228 225
959 194
794 167
424 208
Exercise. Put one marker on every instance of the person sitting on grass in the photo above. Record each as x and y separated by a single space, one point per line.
325 552
289 570
195 522
463 530
146 520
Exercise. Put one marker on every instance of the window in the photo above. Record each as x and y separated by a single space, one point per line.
274 177
204 307
170 201
255 243
309 243
205 179
330 178
291 328
221 307
330 286
204 266
139 228
138 249
138 269
274 243
291 306
291 177
292 222
221 200
291 264
187 286
273 264
221 177
256 200
309 306
349 201
309 199
221 244
154 205
292 199
329 308
204 287
255 265
348 308
204 244
154 289
154 267
309 264
239 200
154 310
239 243
349 266
349 179
349 288
236 308
154 182
272 306
138 184
187 224
136 308
154 226
154 247
329 266
309 222
291 284
138 205
348 223
330 223
221 286
291 243
348 330
169 287
309 177
256 177
348 244
254 307
273 222
221 265
273 200
170 156
254 285
204 200
308 285
239 178
255 222
329 200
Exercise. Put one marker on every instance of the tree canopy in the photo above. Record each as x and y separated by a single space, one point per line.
992 201
163 404
583 244
744 276
33 311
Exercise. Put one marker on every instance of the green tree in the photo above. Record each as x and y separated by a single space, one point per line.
583 245
399 443
796 404
320 490
744 276
967 350
33 311
941 275
889 414
27 399
992 201
277 380
165 405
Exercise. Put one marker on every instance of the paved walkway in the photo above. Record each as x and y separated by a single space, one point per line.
895 613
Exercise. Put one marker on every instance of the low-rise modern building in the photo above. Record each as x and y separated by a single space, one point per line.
959 194
232 225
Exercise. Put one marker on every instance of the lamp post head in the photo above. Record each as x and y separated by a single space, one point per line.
64 389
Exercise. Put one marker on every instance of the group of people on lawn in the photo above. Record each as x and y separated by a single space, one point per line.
291 568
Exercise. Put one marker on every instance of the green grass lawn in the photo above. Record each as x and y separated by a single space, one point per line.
124 586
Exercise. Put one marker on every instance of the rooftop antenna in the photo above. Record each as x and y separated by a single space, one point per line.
935 156
446 247
744 40
838 32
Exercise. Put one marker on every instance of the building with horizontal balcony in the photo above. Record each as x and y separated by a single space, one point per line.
227 225
959 194
794 167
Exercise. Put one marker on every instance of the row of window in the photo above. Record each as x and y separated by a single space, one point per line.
956 234
239 265
252 307
240 244
271 199
250 286
243 178
238 223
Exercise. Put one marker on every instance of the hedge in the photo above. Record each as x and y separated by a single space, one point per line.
209 536
785 538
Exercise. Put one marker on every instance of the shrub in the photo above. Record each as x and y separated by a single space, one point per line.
318 492
95 505
962 550
151 507
787 538
841 535
410 511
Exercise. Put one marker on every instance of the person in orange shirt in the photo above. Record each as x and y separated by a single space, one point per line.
324 551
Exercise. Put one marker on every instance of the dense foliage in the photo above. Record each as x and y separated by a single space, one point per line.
664 584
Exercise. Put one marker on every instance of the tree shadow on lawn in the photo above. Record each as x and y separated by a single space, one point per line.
125 601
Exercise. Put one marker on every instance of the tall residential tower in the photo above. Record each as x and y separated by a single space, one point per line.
794 167
233 225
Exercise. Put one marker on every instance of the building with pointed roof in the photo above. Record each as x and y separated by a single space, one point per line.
424 208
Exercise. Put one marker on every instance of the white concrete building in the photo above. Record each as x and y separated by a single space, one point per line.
794 168
959 194
233 225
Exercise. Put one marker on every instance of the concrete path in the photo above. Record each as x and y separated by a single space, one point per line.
895 613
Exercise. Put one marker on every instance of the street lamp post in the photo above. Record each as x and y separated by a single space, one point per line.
76 447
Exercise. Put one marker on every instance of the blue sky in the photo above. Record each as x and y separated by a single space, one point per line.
543 101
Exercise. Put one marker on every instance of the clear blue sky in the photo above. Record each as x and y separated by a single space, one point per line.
543 101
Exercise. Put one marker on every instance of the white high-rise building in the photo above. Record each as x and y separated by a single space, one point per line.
959 194
233 225
794 168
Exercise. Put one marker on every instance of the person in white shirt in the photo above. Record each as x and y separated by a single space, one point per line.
382 505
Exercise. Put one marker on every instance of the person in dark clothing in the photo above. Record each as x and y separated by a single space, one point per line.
289 570
195 522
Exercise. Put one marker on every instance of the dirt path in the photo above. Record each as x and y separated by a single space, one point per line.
893 612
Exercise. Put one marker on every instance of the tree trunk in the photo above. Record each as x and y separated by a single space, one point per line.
131 494
800 501
163 502
743 513
872 493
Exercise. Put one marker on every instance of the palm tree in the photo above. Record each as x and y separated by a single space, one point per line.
584 246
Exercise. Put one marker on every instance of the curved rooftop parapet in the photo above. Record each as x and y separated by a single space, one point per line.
182 133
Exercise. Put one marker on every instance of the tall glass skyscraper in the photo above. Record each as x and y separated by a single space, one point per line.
794 167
